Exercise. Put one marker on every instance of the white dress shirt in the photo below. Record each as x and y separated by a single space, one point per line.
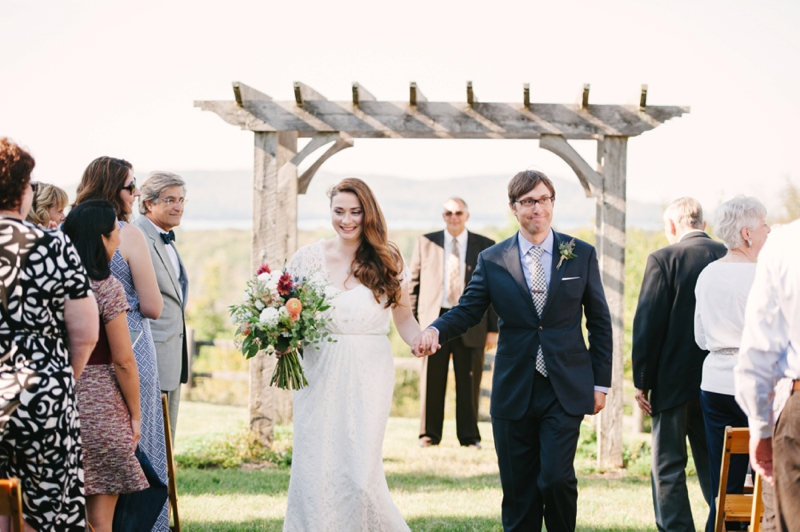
721 294
173 256
462 261
771 340
527 260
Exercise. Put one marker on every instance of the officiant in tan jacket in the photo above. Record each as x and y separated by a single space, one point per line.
441 266
162 202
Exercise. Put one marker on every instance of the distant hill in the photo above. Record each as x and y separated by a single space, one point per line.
223 199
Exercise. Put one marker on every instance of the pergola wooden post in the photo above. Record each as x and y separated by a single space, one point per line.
278 124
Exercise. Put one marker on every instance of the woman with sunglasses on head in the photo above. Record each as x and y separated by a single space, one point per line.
48 327
108 390
47 210
112 180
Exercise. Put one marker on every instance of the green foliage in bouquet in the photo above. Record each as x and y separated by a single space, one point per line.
282 314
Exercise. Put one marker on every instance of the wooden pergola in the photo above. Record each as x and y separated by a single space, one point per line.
278 124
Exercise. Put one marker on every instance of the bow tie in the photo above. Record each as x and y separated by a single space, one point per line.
168 237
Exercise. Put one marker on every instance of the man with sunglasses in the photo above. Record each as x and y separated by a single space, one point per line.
441 266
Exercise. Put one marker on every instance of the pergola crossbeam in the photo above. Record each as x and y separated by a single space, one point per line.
415 95
360 94
422 119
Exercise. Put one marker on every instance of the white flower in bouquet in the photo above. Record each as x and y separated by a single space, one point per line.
270 349
246 297
260 305
264 277
269 317
283 312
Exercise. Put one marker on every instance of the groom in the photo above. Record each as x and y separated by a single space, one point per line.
545 379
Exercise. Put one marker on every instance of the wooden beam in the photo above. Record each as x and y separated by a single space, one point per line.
591 181
274 241
470 94
643 98
585 96
303 93
526 95
422 119
610 244
360 94
243 93
415 95
345 141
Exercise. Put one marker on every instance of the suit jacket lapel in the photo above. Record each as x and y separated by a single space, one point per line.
161 251
472 257
556 274
514 267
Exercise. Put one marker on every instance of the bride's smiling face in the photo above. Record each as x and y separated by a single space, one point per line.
347 215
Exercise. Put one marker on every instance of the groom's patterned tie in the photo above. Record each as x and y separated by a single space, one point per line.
539 294
454 275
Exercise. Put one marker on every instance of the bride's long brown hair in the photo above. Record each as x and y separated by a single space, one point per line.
378 264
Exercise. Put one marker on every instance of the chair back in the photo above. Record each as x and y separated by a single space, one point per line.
11 501
733 507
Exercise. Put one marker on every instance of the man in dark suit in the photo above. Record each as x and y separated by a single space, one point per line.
161 203
441 265
540 283
668 364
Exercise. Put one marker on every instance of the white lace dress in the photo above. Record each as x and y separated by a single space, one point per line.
337 482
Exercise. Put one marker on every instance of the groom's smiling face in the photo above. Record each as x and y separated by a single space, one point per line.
536 219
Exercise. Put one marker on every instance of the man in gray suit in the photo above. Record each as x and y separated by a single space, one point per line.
162 201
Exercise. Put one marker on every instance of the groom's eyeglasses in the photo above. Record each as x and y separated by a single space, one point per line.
546 201
448 214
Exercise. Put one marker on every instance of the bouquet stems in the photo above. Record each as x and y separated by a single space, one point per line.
288 374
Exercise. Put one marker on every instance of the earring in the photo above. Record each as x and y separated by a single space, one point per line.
749 242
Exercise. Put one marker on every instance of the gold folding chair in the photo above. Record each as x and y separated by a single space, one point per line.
172 485
730 506
11 501
758 507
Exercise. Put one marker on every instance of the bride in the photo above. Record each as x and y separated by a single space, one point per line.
337 481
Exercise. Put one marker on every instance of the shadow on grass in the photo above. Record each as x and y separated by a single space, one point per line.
254 525
427 482
192 481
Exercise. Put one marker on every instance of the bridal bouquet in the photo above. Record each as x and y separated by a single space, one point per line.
281 313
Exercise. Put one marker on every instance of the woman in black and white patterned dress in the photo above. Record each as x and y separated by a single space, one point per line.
48 327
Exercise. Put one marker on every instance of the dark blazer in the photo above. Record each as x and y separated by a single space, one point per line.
573 369
666 358
427 282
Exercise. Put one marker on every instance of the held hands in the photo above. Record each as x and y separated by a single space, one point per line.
761 457
426 343
642 399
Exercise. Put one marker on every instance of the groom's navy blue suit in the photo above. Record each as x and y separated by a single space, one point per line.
536 419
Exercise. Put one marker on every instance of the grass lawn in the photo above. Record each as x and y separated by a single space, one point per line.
448 488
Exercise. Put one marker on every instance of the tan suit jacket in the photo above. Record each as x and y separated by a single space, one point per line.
169 330
427 282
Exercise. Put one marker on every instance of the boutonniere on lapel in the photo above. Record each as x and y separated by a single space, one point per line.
565 250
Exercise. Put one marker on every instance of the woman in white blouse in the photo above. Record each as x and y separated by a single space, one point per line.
722 291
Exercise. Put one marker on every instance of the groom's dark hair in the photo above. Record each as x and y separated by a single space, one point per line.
525 181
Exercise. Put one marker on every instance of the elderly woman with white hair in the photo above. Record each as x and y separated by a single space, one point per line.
721 292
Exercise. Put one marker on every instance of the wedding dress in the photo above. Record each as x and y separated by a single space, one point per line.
337 482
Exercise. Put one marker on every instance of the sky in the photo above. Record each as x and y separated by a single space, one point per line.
85 78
